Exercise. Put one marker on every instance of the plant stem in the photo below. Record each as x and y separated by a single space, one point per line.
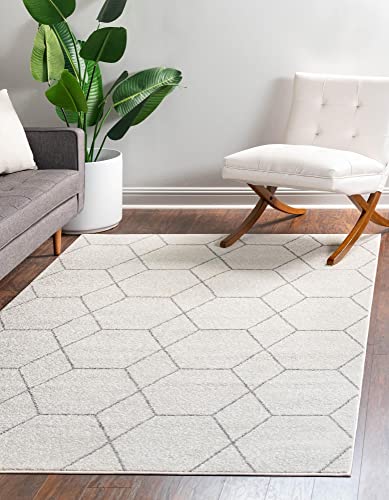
104 119
101 147
101 121
92 148
91 81
85 128
85 115
66 118
84 77
96 133
110 91
98 128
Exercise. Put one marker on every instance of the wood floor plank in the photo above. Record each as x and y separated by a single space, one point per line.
198 488
224 221
346 488
163 487
107 494
380 310
290 488
245 488
220 221
63 487
28 270
20 486
134 482
374 480
339 488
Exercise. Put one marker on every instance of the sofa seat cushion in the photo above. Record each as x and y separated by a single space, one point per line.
307 167
26 197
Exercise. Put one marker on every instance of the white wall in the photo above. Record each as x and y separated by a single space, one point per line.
238 58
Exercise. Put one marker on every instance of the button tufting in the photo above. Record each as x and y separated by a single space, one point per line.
352 111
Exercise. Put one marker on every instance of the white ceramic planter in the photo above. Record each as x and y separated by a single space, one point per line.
103 207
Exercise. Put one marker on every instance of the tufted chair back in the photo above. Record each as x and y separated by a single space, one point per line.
341 112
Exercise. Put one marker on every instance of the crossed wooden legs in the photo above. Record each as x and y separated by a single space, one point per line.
267 197
362 204
249 222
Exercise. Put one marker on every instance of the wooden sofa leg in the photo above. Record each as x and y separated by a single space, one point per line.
57 241
366 216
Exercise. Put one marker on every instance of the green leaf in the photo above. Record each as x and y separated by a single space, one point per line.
119 130
96 94
111 10
140 86
71 116
69 48
50 11
106 45
67 94
139 113
96 97
47 60
151 103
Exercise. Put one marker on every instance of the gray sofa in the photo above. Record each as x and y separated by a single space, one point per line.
36 204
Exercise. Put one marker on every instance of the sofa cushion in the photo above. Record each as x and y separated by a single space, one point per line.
26 197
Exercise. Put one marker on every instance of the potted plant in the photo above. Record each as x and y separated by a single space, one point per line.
71 68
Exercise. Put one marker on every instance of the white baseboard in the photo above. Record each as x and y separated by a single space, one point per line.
230 197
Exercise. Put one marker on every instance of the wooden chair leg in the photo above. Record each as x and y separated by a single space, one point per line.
57 241
360 202
364 219
248 223
274 202
266 195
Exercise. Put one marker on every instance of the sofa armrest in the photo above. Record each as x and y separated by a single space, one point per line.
57 148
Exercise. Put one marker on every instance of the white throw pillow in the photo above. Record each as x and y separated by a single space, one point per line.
15 151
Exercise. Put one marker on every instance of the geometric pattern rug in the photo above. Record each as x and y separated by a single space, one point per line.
168 354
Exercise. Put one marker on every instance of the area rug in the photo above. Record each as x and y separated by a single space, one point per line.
168 354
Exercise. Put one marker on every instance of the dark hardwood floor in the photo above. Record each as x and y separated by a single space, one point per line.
370 477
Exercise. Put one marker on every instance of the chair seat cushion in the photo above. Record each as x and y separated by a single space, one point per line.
26 197
306 167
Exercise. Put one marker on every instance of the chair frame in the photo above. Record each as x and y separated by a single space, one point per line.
267 197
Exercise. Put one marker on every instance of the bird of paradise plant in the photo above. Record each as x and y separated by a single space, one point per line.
71 68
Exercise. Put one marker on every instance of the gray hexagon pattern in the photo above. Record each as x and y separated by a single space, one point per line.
166 353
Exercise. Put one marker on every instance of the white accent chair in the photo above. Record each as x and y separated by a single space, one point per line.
337 140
